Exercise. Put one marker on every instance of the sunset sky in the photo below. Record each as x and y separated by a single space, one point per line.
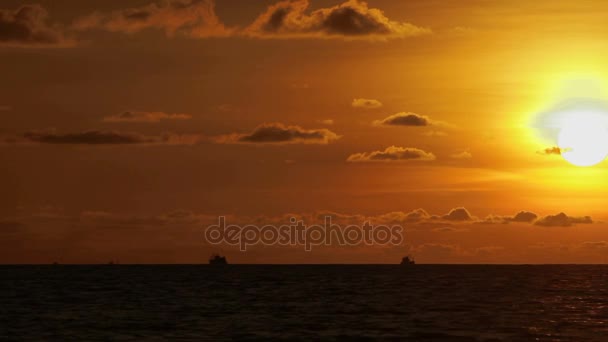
127 127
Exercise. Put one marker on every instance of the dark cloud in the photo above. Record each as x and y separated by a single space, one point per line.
366 103
404 119
278 133
133 116
562 220
552 150
108 138
352 19
87 138
524 216
27 26
458 214
392 154
193 18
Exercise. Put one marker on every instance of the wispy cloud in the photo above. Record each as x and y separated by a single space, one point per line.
462 155
327 122
134 116
392 154
28 26
280 134
366 103
106 138
192 18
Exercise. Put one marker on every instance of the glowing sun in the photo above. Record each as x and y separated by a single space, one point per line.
584 140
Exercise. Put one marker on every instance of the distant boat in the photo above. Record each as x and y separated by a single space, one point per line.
216 259
408 261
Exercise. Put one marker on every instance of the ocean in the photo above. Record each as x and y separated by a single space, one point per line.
305 302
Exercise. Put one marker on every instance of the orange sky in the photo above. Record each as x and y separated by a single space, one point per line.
133 110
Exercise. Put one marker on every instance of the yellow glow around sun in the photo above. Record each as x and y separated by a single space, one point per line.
577 122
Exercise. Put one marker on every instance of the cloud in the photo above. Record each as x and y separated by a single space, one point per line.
462 155
417 215
132 116
28 26
404 119
493 219
522 216
366 103
327 122
414 120
108 138
552 151
88 137
392 154
562 220
192 18
458 214
278 133
352 19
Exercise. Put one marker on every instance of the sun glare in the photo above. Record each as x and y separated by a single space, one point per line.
583 138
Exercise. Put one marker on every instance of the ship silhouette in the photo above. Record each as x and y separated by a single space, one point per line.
217 259
408 261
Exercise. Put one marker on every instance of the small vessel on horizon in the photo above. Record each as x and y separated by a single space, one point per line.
408 261
217 259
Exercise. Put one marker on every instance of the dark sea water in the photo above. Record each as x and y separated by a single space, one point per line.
422 303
